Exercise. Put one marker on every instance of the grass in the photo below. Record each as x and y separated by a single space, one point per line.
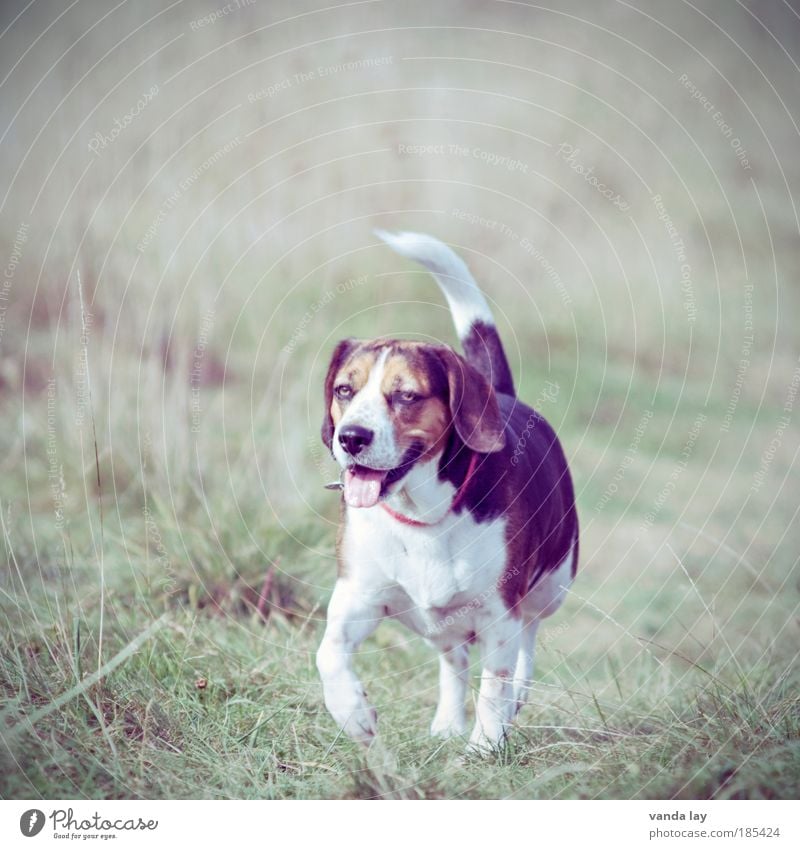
168 547
667 674
220 703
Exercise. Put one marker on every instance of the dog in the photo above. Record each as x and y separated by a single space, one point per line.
458 514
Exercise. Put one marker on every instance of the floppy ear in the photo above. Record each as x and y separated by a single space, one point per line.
473 405
340 353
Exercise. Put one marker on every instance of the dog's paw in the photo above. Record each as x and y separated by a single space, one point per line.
354 715
486 741
448 724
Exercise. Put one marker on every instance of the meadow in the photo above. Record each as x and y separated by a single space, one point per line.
187 203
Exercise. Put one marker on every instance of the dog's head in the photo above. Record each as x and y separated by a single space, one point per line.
390 404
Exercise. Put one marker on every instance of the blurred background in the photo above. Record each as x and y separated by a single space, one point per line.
187 198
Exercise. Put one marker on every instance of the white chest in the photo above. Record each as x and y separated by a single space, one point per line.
454 562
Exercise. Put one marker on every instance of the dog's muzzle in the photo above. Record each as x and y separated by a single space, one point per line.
355 438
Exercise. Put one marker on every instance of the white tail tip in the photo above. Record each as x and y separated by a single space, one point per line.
467 304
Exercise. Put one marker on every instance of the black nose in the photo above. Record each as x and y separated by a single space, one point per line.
354 439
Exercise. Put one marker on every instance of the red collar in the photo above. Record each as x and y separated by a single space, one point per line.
406 520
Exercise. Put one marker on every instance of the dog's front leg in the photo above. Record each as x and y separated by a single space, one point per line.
450 719
496 704
352 617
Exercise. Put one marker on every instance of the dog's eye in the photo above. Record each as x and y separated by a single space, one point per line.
343 392
406 397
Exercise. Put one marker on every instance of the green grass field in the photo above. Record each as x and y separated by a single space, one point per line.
168 546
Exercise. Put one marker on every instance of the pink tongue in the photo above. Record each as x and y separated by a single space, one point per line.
362 487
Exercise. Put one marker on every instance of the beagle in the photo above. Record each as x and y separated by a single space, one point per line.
458 513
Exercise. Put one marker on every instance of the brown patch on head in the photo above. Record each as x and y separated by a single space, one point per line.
426 388
428 424
357 367
414 390
340 352
351 362
413 385
355 372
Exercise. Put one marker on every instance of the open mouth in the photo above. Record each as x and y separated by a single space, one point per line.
363 487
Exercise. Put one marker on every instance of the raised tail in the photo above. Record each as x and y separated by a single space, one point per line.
472 317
